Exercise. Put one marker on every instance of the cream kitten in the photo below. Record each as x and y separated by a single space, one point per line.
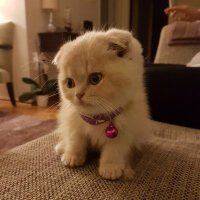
101 74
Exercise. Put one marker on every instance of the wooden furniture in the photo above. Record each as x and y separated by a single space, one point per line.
28 109
52 41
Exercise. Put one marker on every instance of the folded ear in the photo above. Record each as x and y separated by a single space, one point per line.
119 41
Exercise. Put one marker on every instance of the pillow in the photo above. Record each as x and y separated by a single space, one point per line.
6 33
195 61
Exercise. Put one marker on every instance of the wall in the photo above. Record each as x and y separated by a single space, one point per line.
80 10
10 11
119 13
37 21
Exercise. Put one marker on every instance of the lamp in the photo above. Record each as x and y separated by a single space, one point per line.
50 5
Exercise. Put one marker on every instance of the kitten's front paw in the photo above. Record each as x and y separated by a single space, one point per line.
59 149
71 160
110 171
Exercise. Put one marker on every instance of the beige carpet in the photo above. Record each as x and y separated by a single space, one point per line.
19 129
168 170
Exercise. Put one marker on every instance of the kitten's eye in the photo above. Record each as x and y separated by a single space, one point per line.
95 78
70 83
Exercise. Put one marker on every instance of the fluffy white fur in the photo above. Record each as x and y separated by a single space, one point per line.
117 55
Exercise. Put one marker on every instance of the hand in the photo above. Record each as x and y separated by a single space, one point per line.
187 13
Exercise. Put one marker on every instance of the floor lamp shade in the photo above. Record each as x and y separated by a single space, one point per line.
50 4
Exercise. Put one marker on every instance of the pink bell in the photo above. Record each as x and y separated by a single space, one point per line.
111 131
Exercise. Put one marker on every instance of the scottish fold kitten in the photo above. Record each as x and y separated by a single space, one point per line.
103 102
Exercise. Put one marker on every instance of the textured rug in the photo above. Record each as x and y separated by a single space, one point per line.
167 170
19 129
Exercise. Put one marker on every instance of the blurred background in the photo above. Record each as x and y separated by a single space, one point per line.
42 26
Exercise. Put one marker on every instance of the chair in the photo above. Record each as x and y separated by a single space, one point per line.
6 41
176 54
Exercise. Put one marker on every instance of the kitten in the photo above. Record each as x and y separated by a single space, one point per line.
103 102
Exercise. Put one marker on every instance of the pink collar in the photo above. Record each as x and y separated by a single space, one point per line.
101 118
110 131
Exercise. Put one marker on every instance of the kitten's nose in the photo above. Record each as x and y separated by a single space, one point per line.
80 95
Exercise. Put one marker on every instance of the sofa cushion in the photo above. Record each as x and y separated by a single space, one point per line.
177 54
183 33
174 93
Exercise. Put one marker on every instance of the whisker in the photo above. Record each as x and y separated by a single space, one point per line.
109 108
49 85
53 94
103 103
67 106
53 106
44 84
43 73
108 103
102 106
107 111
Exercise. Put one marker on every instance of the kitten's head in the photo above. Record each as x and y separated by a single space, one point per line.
100 71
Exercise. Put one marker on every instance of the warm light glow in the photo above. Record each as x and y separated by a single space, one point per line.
6 7
50 4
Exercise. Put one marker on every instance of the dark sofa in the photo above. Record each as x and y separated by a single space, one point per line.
174 93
